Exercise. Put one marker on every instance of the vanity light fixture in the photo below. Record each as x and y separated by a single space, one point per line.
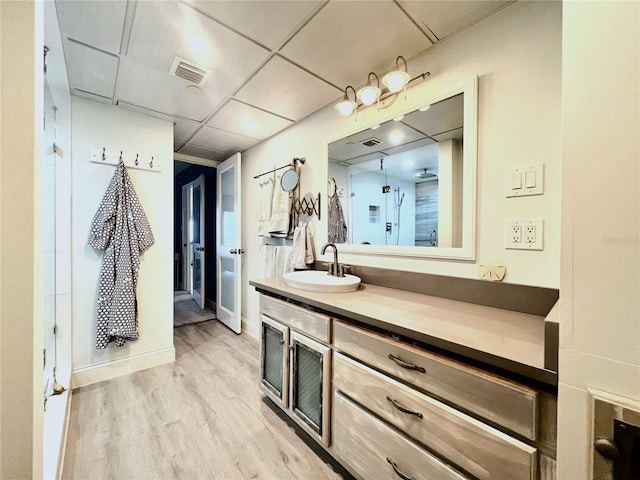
370 93
397 79
392 83
346 106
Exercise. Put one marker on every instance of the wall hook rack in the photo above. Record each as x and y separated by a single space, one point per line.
136 161
307 206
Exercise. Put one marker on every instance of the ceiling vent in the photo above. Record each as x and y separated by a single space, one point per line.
371 142
190 71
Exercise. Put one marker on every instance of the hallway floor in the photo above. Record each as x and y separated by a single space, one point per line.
201 417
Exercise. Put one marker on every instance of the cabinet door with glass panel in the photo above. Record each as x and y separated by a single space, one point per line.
295 374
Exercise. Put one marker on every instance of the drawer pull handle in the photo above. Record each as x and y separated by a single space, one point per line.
403 409
408 366
398 472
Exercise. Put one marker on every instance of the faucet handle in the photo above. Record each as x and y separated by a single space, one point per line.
329 268
341 269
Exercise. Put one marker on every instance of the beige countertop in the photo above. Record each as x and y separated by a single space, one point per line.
509 340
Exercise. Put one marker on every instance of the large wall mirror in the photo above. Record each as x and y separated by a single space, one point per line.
408 185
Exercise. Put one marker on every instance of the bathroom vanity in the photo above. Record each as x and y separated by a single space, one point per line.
398 384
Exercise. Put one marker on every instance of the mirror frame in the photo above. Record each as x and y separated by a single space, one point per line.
469 87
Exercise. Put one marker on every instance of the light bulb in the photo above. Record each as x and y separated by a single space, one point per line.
345 107
396 80
369 94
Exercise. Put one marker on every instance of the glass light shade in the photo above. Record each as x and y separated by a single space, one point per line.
396 80
346 107
368 94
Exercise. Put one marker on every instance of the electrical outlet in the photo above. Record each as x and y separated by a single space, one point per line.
524 234
530 234
516 234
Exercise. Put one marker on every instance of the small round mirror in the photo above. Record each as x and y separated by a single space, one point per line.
289 180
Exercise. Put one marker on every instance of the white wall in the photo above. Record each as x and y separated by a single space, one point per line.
516 54
94 126
600 282
21 239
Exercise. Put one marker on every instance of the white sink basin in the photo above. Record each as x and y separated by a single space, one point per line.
320 281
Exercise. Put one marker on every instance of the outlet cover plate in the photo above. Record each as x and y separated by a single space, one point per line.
531 234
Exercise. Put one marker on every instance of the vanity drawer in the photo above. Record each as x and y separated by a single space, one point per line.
475 447
313 324
368 446
509 404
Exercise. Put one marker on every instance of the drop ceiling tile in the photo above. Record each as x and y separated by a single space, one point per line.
203 152
445 18
256 19
284 89
421 142
92 96
441 117
163 30
390 134
183 129
455 133
221 140
243 119
96 23
91 70
147 87
347 40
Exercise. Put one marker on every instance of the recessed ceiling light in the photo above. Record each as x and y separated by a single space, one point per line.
398 118
374 127
194 89
425 108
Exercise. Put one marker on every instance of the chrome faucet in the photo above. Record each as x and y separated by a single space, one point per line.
335 269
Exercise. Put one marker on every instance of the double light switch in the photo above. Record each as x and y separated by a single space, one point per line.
523 181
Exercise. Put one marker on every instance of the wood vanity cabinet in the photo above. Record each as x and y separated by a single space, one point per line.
295 369
438 407
387 409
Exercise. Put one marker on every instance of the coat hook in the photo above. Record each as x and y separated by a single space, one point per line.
136 159
151 162
104 156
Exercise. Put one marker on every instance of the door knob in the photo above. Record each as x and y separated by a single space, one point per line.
241 250
233 251
199 249
607 448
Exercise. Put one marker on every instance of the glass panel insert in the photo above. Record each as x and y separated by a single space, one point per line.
227 284
272 361
308 385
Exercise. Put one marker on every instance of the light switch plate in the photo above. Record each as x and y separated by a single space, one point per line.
524 181
524 234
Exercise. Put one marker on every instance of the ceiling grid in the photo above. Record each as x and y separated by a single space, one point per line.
273 62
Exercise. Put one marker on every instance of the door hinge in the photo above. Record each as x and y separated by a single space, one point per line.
55 329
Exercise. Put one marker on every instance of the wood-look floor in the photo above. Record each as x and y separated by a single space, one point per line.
201 417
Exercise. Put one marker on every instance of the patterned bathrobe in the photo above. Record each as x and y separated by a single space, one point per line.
120 228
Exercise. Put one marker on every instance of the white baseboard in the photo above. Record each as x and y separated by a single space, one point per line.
250 328
81 377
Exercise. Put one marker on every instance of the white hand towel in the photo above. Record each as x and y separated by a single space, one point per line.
299 248
267 261
266 200
283 260
308 250
280 209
